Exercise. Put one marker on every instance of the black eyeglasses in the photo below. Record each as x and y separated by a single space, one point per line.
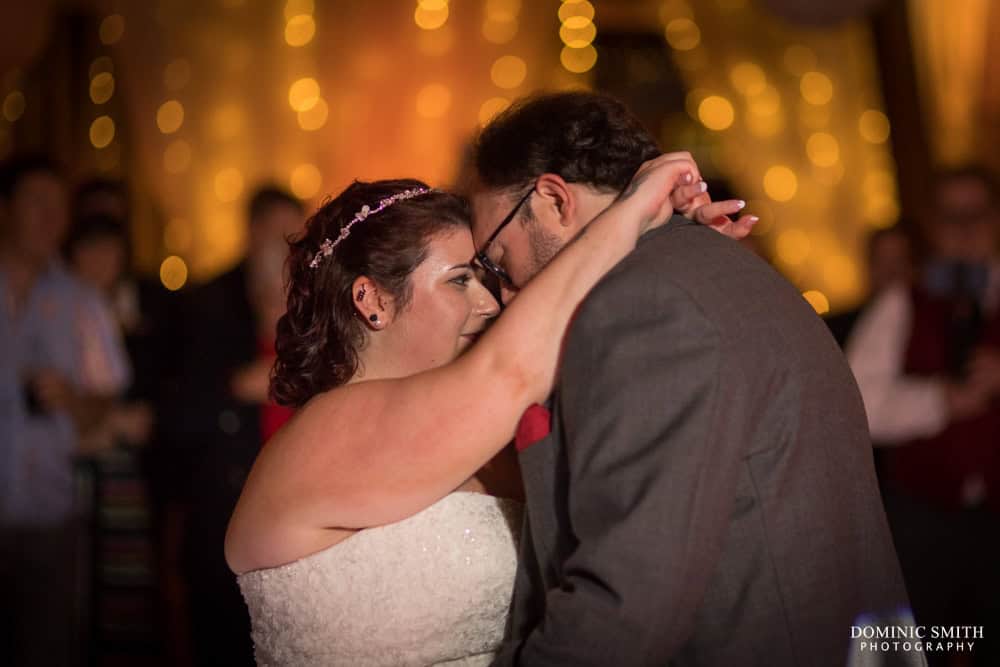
488 263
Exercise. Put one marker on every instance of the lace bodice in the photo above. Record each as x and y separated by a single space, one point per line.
432 589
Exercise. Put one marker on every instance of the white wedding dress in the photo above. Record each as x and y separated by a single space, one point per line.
433 589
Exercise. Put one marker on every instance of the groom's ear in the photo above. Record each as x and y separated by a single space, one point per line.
557 200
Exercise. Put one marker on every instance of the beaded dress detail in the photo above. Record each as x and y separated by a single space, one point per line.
433 589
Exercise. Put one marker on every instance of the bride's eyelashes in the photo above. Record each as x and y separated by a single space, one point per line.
463 279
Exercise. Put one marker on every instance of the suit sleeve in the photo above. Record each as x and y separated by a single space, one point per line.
652 459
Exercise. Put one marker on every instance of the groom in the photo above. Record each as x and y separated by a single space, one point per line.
706 495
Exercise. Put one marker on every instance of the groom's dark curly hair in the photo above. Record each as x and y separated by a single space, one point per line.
583 137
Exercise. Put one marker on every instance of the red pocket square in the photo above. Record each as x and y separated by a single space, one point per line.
535 424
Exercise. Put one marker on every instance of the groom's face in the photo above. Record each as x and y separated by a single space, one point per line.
525 244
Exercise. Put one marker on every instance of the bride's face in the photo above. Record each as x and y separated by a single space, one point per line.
449 306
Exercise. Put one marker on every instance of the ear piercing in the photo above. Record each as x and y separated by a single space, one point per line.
373 317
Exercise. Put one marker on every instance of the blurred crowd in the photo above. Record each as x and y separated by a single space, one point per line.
130 416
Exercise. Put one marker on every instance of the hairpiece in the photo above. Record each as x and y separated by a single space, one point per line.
327 246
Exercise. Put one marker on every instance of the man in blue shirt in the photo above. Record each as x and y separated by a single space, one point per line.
61 363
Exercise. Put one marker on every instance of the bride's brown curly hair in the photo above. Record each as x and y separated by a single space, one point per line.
321 334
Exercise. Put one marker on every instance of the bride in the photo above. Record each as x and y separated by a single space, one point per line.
367 532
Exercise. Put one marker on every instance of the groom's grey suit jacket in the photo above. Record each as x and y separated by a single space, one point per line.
707 494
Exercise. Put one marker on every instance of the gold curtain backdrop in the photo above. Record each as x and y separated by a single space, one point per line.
196 102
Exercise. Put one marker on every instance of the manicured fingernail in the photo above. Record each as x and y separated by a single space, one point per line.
687 177
753 219
740 204
703 187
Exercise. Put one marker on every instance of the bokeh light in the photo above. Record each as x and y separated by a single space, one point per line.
491 107
840 275
436 42
300 30
818 301
682 34
112 29
509 72
102 131
304 94
816 88
793 247
748 78
578 61
101 64
13 106
822 149
314 118
305 181
874 126
431 18
499 31
170 116
780 183
173 273
102 88
576 9
716 112
433 100
578 37
228 121
228 184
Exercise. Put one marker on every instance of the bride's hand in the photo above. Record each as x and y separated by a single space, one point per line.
653 184
693 202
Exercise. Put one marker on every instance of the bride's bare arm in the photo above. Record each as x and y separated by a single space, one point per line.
375 452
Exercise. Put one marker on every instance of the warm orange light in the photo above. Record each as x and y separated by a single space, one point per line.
682 34
816 88
102 88
818 301
491 108
433 100
509 72
822 149
304 94
112 29
177 157
13 106
578 61
173 273
305 181
300 30
874 126
314 118
228 184
170 116
102 131
780 183
716 112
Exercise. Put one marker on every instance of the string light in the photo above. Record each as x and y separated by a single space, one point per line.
102 131
716 112
780 183
509 72
682 34
314 118
300 30
102 88
170 116
816 88
112 29
13 106
431 14
818 301
305 181
874 126
577 32
173 273
304 94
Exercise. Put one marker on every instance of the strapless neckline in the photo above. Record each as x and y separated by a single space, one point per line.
504 503
434 588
